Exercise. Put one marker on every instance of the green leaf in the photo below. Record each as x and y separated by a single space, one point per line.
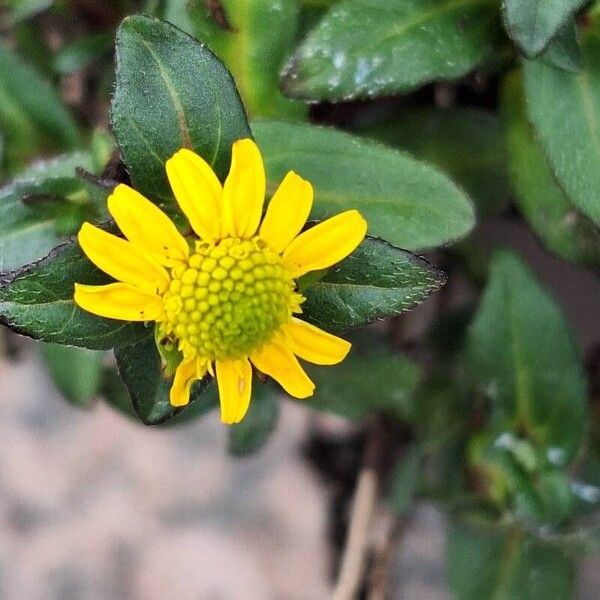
21 10
564 51
362 385
37 301
140 367
171 92
82 52
376 281
562 229
115 393
366 48
521 478
76 372
27 233
32 115
405 479
464 143
405 202
565 109
532 24
259 423
523 358
253 39
488 564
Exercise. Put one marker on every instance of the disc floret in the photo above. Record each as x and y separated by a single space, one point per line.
228 299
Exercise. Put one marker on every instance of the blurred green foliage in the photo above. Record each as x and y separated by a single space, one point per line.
459 114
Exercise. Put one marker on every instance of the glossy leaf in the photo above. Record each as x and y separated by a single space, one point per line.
465 143
373 47
260 421
171 92
551 215
405 202
522 356
37 301
253 39
140 367
26 233
376 281
76 372
32 115
488 564
362 385
564 109
533 23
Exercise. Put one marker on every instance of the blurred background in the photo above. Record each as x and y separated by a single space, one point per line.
95 505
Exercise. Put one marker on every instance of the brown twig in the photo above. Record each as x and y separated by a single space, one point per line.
363 505
379 576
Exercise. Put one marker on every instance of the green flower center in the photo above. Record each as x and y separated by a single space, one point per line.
228 300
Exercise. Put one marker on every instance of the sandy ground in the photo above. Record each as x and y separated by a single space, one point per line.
94 507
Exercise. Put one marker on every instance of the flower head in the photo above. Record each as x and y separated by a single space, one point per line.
225 297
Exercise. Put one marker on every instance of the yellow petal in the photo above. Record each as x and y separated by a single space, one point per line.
314 344
119 301
278 361
326 243
122 259
198 193
287 212
244 190
146 226
234 378
187 372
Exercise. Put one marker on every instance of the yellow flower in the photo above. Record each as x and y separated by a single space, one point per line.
226 298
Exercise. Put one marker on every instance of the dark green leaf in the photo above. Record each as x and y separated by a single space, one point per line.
374 47
75 371
253 39
363 385
405 202
28 226
82 52
565 109
140 367
562 229
171 92
564 51
25 9
32 115
488 564
533 23
255 429
465 143
115 393
405 479
522 357
374 282
37 301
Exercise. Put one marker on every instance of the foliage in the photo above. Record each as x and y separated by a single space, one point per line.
436 119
